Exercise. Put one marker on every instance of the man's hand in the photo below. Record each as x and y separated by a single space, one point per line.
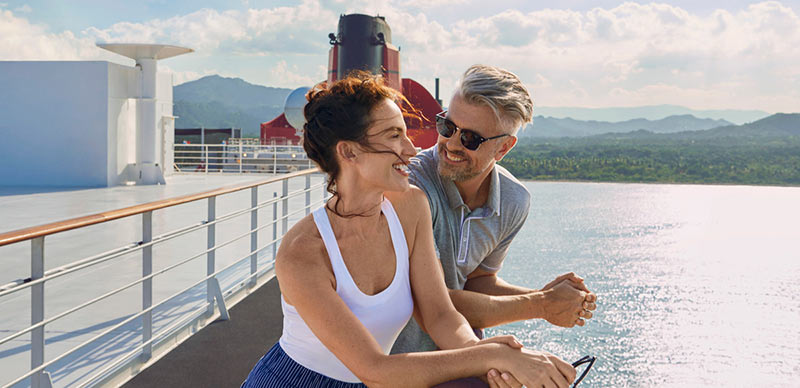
567 301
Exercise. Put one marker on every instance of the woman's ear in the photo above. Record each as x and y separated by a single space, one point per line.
346 151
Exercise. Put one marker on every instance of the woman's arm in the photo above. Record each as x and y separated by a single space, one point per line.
308 284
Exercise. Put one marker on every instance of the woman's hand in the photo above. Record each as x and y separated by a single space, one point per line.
532 369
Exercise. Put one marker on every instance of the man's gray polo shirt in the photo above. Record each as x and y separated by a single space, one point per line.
465 239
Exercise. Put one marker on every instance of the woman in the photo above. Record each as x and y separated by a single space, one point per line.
352 273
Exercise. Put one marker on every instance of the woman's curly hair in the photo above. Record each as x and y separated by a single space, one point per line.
341 112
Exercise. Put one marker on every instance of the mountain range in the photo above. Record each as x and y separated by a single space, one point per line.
568 127
220 102
650 112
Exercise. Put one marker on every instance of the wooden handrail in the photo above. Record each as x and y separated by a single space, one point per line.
79 222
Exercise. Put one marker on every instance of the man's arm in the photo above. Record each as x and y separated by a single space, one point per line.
486 282
488 301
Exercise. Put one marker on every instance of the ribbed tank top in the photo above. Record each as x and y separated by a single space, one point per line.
383 314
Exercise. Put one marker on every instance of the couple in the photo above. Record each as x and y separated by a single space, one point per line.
354 272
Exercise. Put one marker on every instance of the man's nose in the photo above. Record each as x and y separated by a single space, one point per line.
454 141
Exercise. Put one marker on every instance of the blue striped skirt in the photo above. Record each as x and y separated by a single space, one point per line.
277 370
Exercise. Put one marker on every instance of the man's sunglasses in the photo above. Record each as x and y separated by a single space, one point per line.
584 360
469 139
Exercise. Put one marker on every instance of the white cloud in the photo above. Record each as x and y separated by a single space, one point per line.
23 9
23 40
300 29
637 48
290 76
626 55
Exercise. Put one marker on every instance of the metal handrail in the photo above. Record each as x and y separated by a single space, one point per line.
36 282
138 281
141 313
94 219
114 253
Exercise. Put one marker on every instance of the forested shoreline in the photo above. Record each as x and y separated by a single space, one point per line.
659 159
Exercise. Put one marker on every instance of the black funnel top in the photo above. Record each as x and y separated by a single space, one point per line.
361 39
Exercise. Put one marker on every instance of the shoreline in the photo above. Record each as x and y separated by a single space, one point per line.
788 185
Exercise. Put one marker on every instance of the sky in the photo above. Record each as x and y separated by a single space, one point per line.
700 54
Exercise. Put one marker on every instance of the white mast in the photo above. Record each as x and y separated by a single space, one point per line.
149 140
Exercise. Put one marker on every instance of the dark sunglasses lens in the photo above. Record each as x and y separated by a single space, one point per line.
470 140
445 127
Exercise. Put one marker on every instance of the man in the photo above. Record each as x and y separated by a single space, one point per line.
478 208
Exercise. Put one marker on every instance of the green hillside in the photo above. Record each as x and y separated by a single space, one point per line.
219 102
765 152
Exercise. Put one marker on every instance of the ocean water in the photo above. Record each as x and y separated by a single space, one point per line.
697 285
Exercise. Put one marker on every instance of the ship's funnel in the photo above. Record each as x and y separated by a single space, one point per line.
149 139
361 39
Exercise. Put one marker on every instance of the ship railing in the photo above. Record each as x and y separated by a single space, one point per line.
239 158
153 343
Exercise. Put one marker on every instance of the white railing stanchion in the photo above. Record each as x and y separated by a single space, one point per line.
253 234
37 309
211 255
241 156
216 291
285 206
205 154
274 160
274 226
308 194
147 285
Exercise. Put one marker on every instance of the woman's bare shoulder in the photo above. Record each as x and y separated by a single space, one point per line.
409 200
301 248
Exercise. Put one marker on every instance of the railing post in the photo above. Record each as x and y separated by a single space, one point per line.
324 187
241 156
285 206
274 160
147 285
308 193
205 155
274 225
253 234
211 255
37 310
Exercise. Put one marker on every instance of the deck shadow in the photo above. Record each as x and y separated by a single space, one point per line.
224 352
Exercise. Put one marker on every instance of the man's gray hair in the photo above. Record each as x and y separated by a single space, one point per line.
500 90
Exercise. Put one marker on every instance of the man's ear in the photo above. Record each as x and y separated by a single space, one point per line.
508 143
346 151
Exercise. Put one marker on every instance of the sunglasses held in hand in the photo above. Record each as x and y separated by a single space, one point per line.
584 360
469 138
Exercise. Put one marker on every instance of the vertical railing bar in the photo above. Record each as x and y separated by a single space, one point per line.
211 255
285 205
37 310
274 225
241 156
147 285
205 147
324 188
308 193
253 233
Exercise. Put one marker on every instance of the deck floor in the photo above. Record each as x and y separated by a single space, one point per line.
222 353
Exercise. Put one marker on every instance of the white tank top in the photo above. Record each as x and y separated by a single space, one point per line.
383 314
